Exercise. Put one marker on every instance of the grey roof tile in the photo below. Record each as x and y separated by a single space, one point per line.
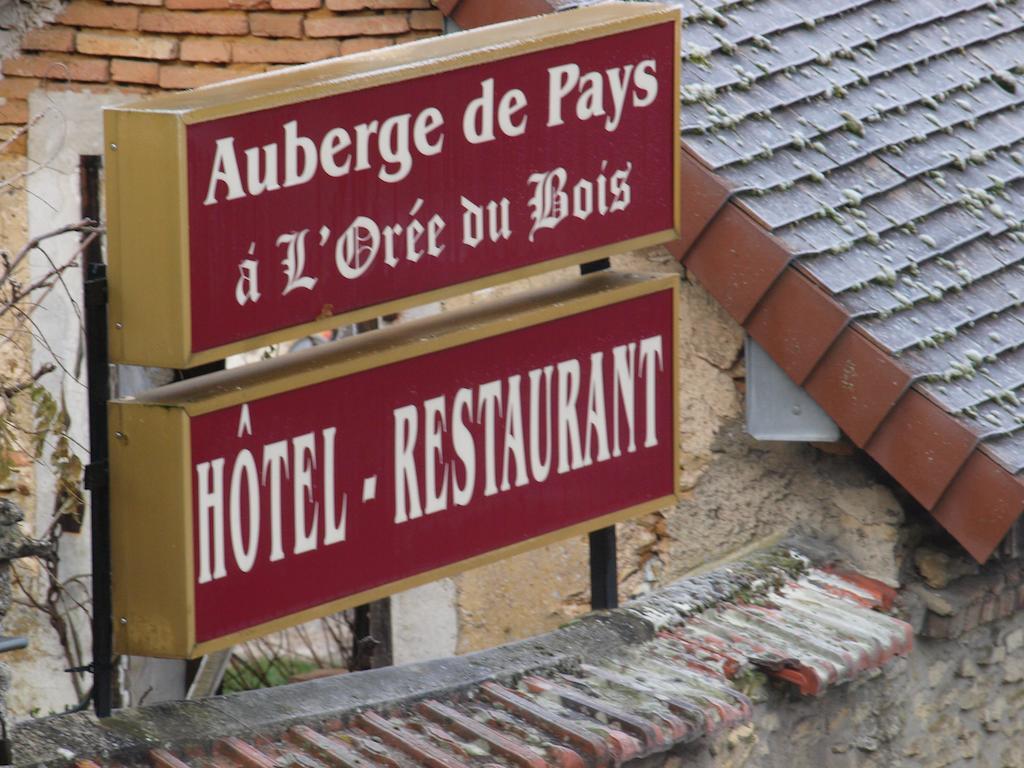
892 165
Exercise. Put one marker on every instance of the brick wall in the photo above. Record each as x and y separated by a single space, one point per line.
144 45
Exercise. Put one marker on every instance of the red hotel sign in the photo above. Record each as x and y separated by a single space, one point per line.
255 498
266 208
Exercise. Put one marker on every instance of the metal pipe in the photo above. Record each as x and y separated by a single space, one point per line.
98 370
604 569
12 644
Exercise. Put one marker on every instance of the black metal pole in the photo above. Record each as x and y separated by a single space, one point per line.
373 620
94 274
604 569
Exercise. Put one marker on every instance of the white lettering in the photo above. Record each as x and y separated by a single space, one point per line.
561 80
275 457
406 481
303 465
644 79
540 468
511 104
618 79
624 392
568 419
514 446
210 483
247 288
478 119
225 169
462 442
256 183
434 427
293 143
334 529
488 406
335 142
294 262
244 550
650 360
597 421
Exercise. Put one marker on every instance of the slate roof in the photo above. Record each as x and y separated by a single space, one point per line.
853 194
881 145
609 689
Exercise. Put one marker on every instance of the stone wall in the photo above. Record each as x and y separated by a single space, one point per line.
15 340
956 700
735 492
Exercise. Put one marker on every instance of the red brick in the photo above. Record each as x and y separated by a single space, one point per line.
108 87
283 51
275 24
194 23
60 39
198 5
205 50
82 13
294 5
129 71
356 26
411 37
360 44
140 2
17 87
217 5
426 20
178 77
377 5
15 145
131 46
59 67
13 112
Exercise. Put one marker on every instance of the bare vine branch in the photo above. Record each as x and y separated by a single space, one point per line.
21 386
83 226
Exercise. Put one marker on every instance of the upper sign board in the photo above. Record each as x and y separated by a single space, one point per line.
256 498
266 208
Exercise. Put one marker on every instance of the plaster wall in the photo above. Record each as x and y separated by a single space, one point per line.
15 338
424 623
66 126
17 17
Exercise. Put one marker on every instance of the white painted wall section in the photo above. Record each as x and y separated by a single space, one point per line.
424 622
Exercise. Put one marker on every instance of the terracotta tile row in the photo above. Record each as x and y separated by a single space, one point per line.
821 630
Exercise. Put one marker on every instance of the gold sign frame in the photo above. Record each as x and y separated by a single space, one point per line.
151 511
147 204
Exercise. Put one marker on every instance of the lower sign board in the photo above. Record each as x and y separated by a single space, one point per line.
254 499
